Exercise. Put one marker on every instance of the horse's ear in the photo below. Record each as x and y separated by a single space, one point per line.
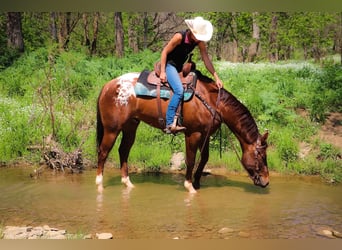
265 136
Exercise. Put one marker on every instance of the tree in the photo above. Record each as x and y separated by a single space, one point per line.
53 26
132 32
234 32
95 32
119 34
221 22
273 51
92 45
14 32
254 47
67 22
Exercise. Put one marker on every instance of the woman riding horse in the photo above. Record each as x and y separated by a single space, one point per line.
174 55
120 110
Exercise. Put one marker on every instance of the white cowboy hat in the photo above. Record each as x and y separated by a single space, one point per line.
202 29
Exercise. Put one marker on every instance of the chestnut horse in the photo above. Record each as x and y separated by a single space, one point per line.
120 110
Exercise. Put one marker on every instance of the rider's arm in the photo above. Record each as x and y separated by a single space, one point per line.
175 40
208 64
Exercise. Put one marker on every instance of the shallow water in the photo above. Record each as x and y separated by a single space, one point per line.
160 208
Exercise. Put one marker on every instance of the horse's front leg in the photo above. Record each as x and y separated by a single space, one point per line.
204 159
128 138
191 143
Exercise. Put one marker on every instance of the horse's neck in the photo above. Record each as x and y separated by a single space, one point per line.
239 120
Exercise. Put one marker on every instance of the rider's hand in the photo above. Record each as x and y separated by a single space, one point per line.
163 77
218 81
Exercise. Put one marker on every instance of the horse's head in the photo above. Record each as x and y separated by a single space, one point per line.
254 160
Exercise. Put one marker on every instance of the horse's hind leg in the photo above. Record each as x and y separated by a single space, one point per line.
128 138
106 145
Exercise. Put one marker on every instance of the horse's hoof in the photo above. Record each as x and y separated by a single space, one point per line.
127 182
189 187
99 179
196 185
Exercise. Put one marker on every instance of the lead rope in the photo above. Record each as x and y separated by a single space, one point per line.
213 113
234 148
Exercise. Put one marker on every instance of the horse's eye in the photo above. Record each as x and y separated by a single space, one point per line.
250 171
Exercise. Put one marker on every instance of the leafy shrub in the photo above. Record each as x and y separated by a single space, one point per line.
287 147
328 151
15 133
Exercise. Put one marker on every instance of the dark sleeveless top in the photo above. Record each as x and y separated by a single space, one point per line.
178 56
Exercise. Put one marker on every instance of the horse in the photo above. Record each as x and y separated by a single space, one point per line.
120 110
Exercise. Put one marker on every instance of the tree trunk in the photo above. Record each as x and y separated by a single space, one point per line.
145 29
53 26
66 24
14 32
95 32
119 34
132 34
86 39
235 49
254 47
63 30
273 56
340 36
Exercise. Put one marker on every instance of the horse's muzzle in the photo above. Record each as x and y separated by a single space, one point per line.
261 181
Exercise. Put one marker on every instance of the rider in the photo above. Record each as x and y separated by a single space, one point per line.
175 54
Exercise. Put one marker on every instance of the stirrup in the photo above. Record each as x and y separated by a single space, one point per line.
174 129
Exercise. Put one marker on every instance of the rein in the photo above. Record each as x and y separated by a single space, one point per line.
213 112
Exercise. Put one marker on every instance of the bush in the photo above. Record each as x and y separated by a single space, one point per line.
328 151
326 93
15 131
287 147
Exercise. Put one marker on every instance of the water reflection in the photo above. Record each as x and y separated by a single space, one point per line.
189 199
99 201
126 194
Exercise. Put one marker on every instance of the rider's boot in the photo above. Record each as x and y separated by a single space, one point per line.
174 128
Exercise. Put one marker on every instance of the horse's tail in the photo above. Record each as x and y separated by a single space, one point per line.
99 125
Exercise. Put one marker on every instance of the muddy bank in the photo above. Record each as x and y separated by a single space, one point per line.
46 232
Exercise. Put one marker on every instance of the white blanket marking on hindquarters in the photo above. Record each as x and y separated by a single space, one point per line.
125 89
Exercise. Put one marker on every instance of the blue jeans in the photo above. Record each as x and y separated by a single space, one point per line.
177 87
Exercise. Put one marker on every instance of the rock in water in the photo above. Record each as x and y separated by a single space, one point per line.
104 236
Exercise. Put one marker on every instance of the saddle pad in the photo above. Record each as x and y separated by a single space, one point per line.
144 89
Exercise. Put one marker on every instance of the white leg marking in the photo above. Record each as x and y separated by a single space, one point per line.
127 182
189 187
99 179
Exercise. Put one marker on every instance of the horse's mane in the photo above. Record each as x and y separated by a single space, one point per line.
202 77
244 116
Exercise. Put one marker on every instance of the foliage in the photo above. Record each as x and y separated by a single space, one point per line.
300 35
66 84
14 122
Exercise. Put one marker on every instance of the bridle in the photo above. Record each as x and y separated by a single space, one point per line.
258 147
255 177
257 152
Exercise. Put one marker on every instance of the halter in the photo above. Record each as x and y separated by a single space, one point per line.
256 176
256 152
